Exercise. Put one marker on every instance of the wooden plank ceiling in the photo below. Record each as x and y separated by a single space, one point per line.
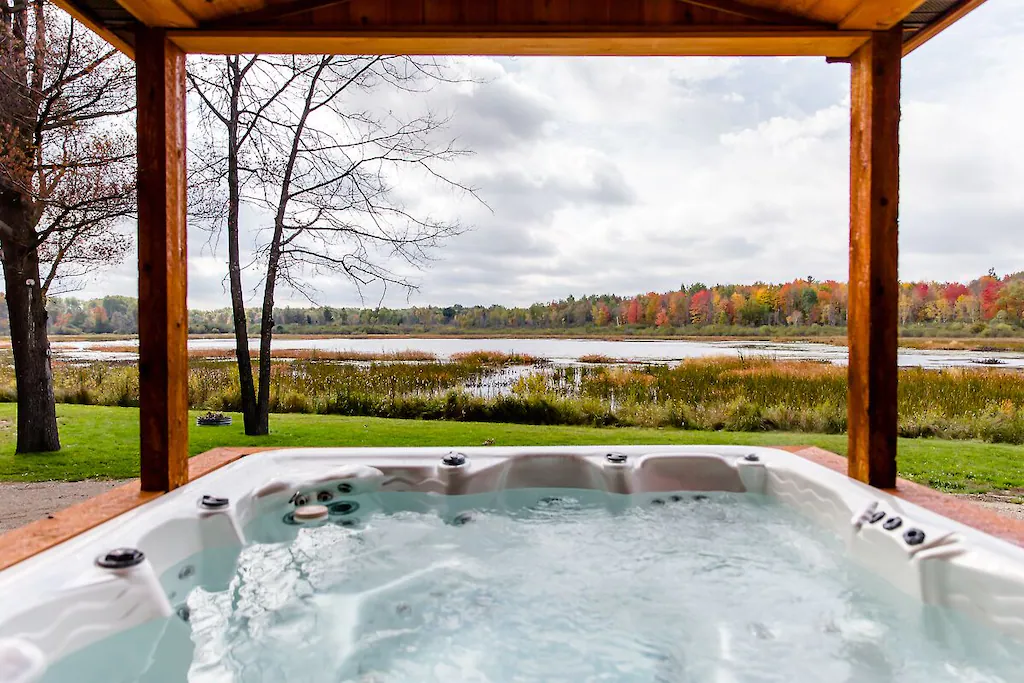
830 28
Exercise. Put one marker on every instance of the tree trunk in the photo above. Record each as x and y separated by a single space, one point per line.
254 425
266 334
37 415
274 259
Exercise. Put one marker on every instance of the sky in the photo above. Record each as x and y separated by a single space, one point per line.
627 175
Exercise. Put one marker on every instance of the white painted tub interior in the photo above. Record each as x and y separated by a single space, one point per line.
61 601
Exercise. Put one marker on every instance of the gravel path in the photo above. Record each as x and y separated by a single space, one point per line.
1002 504
21 503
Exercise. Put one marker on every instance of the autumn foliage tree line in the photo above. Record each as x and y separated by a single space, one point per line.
989 305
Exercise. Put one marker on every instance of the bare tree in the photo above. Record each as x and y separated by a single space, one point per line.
323 167
67 177
235 92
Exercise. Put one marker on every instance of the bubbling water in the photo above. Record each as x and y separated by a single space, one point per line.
721 588
581 587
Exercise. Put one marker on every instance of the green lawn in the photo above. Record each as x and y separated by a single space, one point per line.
101 442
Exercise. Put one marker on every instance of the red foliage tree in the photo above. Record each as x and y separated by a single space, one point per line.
633 312
953 291
700 305
990 298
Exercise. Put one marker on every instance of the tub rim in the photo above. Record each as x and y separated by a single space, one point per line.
27 541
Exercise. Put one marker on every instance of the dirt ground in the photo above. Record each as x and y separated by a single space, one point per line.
21 503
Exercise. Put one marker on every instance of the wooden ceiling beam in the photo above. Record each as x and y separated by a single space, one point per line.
762 14
878 15
270 13
159 13
97 26
463 40
275 11
933 29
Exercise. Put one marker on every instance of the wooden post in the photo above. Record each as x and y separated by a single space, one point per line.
874 284
163 315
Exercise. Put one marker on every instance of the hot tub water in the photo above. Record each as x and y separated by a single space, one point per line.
557 585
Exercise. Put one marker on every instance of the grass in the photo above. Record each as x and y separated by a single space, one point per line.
102 442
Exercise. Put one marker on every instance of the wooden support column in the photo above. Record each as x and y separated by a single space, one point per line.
874 285
163 315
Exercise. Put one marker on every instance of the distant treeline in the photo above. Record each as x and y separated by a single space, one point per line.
989 305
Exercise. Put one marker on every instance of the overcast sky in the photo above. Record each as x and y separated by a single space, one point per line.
629 175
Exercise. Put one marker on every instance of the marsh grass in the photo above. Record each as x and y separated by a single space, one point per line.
492 358
598 359
735 394
293 354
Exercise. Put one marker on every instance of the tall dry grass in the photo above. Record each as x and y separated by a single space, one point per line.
598 359
710 394
294 354
492 358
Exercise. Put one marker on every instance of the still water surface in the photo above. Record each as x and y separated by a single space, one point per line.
570 350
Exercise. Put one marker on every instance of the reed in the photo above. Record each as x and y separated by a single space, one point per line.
744 394
598 359
492 358
409 355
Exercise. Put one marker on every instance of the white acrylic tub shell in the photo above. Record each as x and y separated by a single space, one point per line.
60 601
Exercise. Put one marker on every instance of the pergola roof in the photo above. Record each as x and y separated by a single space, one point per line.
830 28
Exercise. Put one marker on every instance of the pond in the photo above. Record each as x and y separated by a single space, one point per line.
568 351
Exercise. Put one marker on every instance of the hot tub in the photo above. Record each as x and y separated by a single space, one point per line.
514 564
